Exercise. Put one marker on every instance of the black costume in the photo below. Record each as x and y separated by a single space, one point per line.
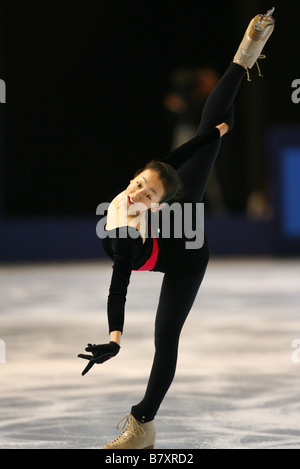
184 268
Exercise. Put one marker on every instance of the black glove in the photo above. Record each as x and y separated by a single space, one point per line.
101 353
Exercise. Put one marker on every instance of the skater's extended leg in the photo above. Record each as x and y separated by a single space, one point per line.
176 299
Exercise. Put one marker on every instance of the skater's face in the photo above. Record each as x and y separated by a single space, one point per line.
146 189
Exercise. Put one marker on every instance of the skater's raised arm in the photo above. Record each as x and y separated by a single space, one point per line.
223 128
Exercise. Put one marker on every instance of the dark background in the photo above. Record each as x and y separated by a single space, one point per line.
86 83
85 86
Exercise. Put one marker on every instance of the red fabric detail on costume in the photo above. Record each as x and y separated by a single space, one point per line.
150 264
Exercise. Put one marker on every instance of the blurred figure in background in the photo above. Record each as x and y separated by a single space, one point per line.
184 103
188 92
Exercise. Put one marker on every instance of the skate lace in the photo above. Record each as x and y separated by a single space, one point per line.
133 428
262 56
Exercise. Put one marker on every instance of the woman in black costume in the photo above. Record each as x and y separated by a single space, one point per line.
134 244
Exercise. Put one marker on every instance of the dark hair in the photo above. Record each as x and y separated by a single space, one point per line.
172 182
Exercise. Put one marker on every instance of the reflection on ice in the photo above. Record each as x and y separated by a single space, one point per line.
236 384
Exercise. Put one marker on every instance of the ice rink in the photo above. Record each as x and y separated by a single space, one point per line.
237 384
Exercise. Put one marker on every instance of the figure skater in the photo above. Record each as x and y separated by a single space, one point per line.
182 176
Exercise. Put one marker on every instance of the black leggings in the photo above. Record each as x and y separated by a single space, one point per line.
178 293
